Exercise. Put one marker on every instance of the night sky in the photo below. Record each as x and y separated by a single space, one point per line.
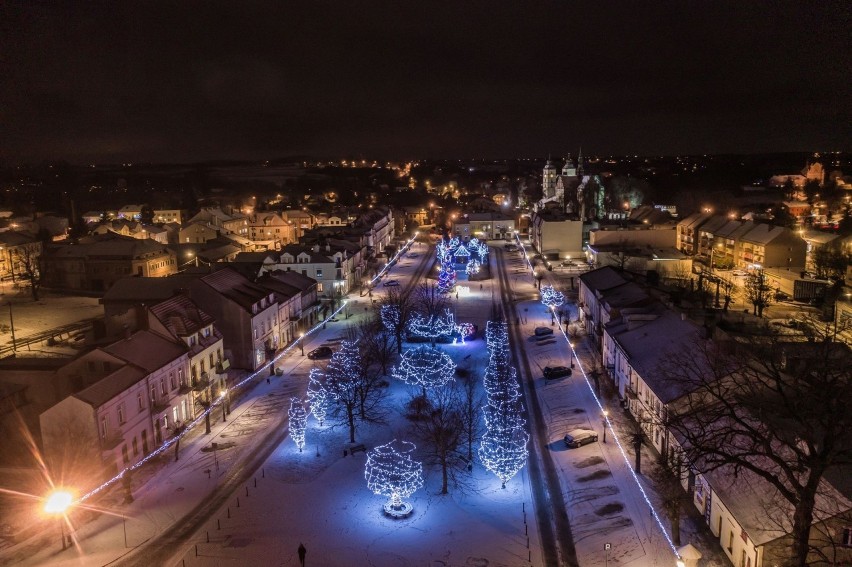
150 81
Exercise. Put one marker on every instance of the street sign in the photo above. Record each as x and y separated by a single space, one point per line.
607 546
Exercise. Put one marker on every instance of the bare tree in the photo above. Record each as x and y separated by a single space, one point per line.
668 484
471 414
728 288
428 302
771 406
26 260
439 428
758 292
379 344
402 308
356 385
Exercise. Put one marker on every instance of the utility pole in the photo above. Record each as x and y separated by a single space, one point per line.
12 325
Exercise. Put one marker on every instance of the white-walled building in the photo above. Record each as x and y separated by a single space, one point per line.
245 313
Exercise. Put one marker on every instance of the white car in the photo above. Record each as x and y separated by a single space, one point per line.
740 273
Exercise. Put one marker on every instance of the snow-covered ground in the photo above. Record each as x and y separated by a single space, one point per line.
319 497
50 311
322 501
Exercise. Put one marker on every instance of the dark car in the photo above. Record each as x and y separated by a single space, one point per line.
543 331
321 352
391 283
579 437
553 372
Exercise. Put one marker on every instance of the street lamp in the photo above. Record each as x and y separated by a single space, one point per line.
302 343
605 414
222 397
57 504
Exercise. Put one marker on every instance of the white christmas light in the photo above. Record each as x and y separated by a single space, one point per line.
426 367
432 327
551 297
390 471
504 452
473 267
298 422
390 317
317 395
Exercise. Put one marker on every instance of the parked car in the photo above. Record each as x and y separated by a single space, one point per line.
579 437
740 273
321 352
553 372
543 331
413 255
568 263
391 283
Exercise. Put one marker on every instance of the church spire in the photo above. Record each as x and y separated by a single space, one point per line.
580 163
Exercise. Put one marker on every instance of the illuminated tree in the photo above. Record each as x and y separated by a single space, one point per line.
341 382
551 297
425 366
390 471
473 268
317 395
298 422
503 450
432 327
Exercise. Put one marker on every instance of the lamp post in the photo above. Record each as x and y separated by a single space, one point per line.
302 343
57 504
605 414
222 397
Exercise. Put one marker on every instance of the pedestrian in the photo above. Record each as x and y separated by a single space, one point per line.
302 552
480 286
267 380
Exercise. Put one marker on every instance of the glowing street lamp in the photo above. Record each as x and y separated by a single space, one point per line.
57 504
302 343
222 397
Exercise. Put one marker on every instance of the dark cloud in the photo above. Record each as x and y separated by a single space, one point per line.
158 81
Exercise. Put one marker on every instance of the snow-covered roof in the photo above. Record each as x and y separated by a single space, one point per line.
111 385
147 350
602 279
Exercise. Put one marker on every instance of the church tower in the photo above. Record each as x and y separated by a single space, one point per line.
548 179
568 168
580 163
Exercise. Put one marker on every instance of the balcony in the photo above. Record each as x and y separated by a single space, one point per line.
631 393
202 383
184 389
159 406
223 365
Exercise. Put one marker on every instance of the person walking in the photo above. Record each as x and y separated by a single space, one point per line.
302 553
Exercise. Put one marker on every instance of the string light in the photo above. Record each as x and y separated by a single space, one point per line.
434 326
473 268
615 437
261 371
503 449
426 367
317 395
390 317
390 471
551 297
394 259
298 422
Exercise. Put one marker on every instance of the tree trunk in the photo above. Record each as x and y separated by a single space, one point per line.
177 449
675 519
444 475
803 517
350 414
